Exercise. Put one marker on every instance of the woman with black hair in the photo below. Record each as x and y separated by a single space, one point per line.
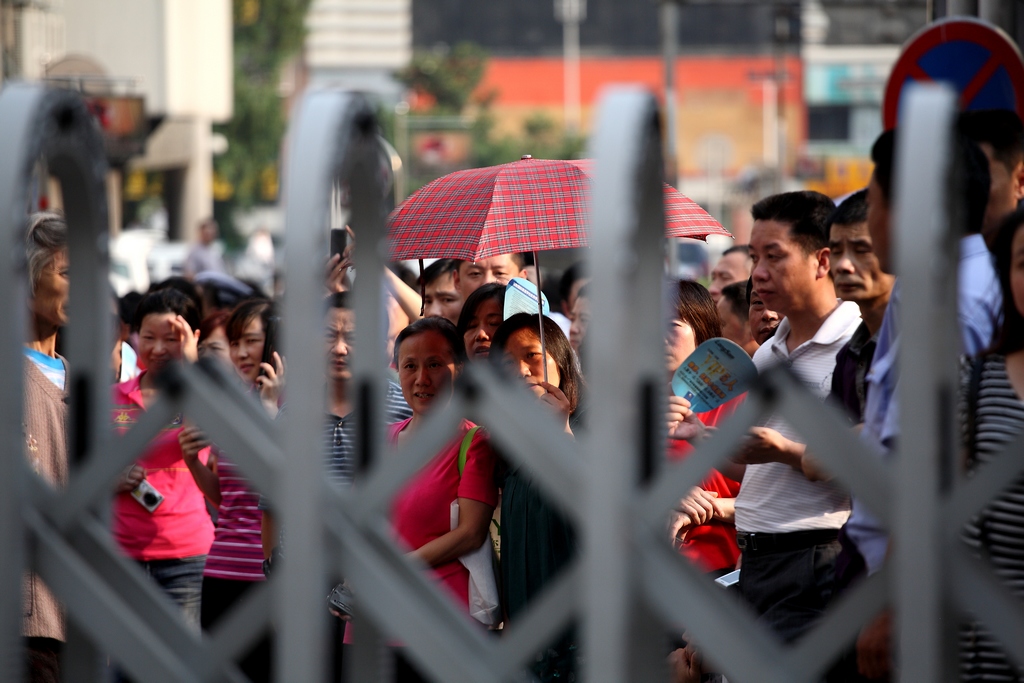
481 315
429 355
159 516
702 526
234 563
536 539
991 415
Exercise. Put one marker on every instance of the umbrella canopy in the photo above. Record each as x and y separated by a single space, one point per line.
526 205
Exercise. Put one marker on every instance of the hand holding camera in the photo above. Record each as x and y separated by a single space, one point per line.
132 476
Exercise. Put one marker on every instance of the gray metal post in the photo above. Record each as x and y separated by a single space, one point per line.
323 132
54 125
961 7
926 249
1001 13
624 440
669 20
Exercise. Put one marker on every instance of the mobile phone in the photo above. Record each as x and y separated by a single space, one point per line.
729 580
269 342
340 602
339 241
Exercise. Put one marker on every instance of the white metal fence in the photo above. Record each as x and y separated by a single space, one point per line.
628 589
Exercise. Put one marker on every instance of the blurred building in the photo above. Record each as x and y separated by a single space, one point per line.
769 94
158 74
359 44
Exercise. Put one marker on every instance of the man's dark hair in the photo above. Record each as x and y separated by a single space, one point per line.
126 306
519 259
1000 128
971 166
805 212
736 295
443 327
570 378
404 273
338 300
569 277
750 290
695 307
168 300
492 290
853 210
184 286
737 249
882 154
438 269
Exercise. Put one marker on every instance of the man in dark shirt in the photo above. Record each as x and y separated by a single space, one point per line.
859 278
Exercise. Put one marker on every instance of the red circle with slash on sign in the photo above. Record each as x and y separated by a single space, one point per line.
980 61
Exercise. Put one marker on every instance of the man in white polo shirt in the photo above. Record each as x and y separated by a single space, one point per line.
787 524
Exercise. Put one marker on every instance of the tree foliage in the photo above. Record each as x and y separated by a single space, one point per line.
448 77
541 137
267 33
449 80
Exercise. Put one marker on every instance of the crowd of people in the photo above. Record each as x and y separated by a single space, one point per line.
814 290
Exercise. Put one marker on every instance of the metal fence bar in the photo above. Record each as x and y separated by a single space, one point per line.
17 122
91 481
924 240
978 593
628 589
627 388
312 162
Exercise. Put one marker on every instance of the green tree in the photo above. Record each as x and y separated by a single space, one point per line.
447 76
450 78
541 137
267 33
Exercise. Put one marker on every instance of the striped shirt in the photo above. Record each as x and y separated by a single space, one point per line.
237 550
998 532
340 436
774 498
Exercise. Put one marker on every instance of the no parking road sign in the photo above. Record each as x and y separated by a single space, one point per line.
979 60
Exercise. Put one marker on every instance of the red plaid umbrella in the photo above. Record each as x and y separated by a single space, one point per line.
526 205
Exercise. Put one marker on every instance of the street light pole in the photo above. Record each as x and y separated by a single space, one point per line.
571 13
670 50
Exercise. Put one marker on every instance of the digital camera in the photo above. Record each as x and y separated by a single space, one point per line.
147 496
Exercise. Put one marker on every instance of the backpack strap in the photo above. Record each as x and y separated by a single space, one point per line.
464 448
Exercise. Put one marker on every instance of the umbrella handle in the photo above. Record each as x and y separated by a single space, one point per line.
423 290
540 318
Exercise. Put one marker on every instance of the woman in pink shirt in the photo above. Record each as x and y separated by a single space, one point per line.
164 526
429 355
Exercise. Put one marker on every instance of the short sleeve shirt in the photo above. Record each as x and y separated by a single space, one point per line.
421 512
180 527
773 497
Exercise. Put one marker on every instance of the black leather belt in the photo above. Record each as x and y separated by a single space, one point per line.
780 543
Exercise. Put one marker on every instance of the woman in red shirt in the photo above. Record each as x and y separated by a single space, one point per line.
429 355
702 525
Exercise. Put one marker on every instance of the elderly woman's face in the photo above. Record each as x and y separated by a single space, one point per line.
49 303
426 370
